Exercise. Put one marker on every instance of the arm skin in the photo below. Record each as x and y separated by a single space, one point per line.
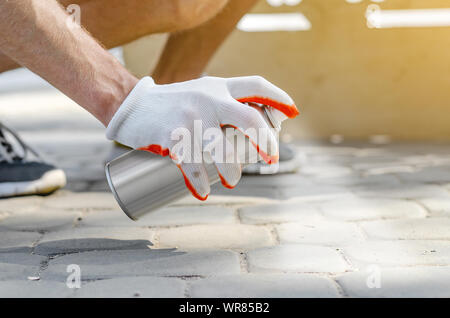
188 52
34 33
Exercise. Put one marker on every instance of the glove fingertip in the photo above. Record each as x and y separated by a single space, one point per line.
290 110
225 183
195 193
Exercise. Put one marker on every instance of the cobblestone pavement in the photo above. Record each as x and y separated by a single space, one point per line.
358 220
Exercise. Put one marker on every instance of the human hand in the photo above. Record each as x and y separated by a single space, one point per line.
153 116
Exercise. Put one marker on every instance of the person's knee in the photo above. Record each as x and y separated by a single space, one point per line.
191 13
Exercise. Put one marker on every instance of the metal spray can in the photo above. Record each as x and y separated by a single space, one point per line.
142 183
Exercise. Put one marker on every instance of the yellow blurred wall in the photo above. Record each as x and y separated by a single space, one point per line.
346 78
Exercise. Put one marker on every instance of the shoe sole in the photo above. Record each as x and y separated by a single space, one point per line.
48 183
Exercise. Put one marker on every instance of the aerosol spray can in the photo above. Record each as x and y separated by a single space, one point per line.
142 183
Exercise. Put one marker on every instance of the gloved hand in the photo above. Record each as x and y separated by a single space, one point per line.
151 113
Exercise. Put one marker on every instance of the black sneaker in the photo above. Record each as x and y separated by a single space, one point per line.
21 175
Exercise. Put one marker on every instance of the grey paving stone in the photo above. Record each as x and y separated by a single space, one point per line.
417 148
85 162
264 286
325 170
40 220
224 200
68 142
3 215
356 209
263 191
99 186
329 149
237 236
109 246
319 198
77 186
355 180
398 282
82 201
277 180
409 229
171 216
398 253
17 271
296 258
16 239
390 169
21 259
280 212
405 191
422 160
94 238
150 262
437 206
439 174
38 109
19 265
89 174
315 191
133 287
322 233
381 165
438 160
34 289
343 160
368 151
17 249
20 204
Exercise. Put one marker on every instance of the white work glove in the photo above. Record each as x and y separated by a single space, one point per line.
151 113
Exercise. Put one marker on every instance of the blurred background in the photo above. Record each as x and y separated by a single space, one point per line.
359 69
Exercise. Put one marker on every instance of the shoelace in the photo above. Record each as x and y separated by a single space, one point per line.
7 151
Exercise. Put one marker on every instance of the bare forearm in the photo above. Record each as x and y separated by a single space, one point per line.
187 53
36 35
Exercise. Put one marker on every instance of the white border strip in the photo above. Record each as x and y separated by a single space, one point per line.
379 19
272 22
